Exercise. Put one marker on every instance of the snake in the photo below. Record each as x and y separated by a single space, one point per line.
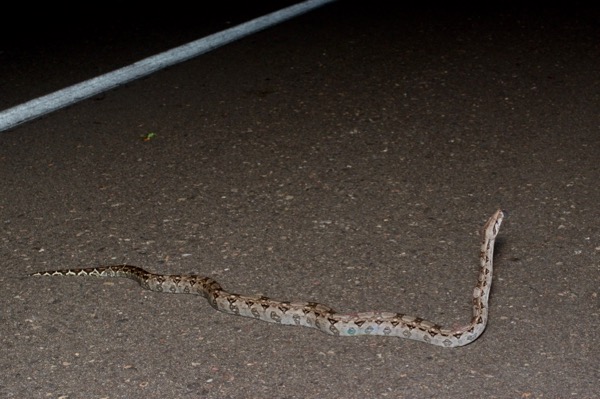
316 315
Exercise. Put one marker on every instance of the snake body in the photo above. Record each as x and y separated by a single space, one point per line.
316 315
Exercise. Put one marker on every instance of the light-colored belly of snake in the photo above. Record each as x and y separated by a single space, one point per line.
316 315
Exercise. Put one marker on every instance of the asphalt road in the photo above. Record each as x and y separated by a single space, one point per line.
350 157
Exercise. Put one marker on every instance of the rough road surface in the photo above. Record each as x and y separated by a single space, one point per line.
350 157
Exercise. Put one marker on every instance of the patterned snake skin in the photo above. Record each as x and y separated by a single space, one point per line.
316 315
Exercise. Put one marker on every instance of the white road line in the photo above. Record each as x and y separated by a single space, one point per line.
59 99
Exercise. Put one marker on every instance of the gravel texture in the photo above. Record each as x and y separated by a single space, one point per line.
350 157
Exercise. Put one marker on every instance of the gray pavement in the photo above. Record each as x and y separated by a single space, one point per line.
349 157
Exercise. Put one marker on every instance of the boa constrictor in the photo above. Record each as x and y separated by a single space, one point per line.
316 315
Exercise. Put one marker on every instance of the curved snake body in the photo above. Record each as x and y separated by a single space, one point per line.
316 315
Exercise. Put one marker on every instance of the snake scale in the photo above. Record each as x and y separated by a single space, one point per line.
316 315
